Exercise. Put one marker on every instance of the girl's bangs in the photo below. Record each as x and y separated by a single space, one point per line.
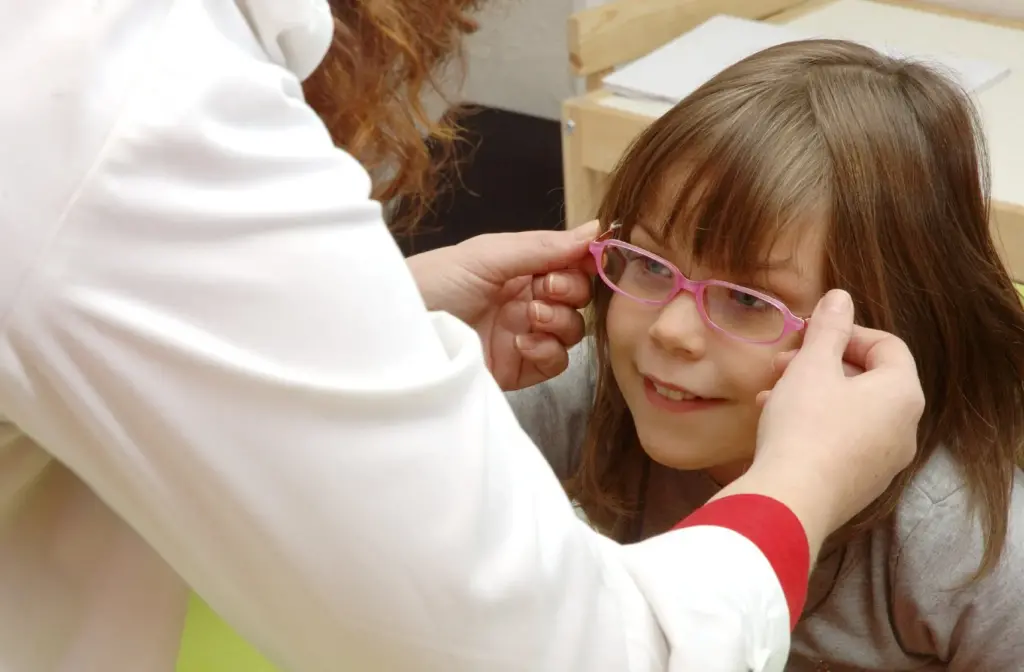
725 198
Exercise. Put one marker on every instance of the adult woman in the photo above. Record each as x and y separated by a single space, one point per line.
230 382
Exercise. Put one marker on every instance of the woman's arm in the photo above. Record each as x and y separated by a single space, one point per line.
216 332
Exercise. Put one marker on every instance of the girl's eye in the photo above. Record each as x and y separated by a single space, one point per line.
656 267
748 300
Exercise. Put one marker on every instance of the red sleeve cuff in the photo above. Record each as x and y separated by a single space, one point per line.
775 530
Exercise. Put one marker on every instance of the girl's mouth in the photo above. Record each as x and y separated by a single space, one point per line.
675 399
673 394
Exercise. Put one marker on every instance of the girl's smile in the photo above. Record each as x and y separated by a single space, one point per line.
676 399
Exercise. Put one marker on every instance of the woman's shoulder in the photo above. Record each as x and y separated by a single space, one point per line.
555 413
172 107
294 34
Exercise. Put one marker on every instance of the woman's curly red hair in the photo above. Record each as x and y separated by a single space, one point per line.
384 60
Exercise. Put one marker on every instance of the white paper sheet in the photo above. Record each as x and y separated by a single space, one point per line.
675 70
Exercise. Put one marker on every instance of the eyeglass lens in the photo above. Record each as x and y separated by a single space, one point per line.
735 310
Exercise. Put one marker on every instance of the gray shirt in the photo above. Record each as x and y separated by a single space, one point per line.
891 600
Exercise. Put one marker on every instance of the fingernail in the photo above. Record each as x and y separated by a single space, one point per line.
779 360
837 301
557 284
587 231
541 311
526 341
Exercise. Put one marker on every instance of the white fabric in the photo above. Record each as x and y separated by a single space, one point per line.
204 322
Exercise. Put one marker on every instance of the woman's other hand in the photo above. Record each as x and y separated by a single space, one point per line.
521 292
840 423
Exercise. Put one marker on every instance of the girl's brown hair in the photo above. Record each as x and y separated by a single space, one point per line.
384 60
889 154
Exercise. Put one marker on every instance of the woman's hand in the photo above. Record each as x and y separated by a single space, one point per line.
840 423
520 291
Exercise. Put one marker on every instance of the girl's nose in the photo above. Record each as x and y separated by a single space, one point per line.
679 328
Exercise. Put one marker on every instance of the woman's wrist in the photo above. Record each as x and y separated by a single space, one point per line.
774 529
796 493
423 268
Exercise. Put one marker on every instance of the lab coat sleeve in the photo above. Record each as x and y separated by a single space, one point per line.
220 337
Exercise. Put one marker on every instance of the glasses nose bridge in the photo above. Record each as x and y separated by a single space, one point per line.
684 284
696 289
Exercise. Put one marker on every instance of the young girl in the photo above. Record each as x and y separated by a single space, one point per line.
811 165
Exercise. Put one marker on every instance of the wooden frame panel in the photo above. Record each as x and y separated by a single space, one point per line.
1008 230
594 138
618 32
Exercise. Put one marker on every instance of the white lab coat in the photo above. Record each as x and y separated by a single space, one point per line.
231 384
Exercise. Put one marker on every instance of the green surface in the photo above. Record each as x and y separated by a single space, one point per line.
208 644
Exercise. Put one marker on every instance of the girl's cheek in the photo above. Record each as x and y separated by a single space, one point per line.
626 319
758 373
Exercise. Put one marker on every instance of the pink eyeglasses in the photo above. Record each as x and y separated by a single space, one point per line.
740 312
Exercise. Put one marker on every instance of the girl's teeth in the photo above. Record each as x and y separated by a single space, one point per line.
674 395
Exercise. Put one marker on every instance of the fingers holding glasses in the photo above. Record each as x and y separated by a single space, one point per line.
548 355
871 349
555 322
557 298
783 359
570 287
561 322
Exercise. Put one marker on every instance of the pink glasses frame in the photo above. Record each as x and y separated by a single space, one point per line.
790 322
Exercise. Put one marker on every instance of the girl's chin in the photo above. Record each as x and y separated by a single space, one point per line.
681 459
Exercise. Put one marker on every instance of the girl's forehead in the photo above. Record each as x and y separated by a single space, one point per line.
728 207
